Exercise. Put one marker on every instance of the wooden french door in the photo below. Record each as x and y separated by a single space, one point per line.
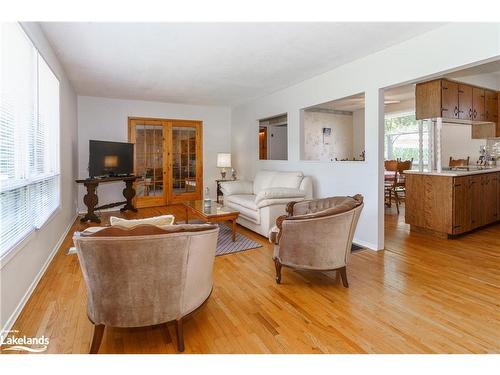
167 160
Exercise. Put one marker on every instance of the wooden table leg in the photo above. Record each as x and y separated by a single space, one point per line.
90 199
129 194
234 229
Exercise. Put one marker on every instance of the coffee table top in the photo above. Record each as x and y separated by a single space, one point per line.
214 210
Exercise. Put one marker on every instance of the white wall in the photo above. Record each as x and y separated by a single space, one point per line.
22 268
456 141
358 132
107 119
277 142
422 57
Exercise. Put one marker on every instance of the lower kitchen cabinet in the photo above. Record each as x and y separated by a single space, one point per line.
449 205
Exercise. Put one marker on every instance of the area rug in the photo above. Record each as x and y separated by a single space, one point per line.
225 244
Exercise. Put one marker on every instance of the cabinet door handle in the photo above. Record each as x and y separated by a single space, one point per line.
470 113
456 111
475 114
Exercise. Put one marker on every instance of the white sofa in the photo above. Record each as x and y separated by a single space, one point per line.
261 201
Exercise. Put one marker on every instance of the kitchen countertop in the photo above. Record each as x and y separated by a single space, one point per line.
455 173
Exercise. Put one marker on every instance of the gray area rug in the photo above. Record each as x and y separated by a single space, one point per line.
225 244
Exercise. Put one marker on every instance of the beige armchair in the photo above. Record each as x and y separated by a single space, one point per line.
316 235
146 275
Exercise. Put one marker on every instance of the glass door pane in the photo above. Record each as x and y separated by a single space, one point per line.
184 160
149 161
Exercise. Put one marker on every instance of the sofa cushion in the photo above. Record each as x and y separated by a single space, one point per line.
275 179
245 200
236 187
245 204
157 220
278 193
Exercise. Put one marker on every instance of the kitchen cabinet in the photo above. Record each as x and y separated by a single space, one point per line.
490 198
455 100
477 104
462 205
477 201
465 95
449 99
491 105
447 205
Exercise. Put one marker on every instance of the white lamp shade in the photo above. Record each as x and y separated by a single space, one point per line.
223 160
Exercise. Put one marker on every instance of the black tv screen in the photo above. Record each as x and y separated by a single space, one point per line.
110 158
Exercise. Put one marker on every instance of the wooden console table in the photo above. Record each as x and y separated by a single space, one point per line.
90 199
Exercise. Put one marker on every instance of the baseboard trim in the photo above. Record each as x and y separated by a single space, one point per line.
368 245
12 319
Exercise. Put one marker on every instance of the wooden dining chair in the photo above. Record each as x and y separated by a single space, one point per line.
390 177
396 185
400 184
458 162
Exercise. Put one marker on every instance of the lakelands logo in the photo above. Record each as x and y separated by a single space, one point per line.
24 343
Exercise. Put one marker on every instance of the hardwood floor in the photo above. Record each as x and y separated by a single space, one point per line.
420 295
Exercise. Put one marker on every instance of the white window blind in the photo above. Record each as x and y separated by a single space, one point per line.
29 138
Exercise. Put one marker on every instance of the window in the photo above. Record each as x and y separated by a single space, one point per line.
402 138
29 138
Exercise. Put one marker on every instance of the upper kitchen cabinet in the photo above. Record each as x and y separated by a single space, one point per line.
449 99
460 102
465 99
491 105
478 104
428 98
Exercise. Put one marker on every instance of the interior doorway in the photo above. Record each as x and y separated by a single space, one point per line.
167 160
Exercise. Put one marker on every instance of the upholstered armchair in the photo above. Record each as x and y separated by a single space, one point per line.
146 275
316 235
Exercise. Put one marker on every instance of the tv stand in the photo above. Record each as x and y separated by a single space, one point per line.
90 199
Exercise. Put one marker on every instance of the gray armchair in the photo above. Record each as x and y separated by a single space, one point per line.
316 235
146 275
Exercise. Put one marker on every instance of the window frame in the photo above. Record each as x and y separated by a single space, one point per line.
10 253
387 135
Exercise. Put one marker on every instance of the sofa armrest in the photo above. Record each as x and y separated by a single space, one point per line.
307 187
236 187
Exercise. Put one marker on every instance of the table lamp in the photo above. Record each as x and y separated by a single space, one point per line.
223 162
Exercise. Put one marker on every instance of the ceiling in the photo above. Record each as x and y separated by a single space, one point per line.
351 103
211 63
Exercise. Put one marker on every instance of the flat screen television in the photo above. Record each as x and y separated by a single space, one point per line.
110 158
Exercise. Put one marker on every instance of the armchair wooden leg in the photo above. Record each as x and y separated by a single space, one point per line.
343 276
180 335
277 265
96 338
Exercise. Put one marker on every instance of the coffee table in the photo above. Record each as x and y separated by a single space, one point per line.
216 212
